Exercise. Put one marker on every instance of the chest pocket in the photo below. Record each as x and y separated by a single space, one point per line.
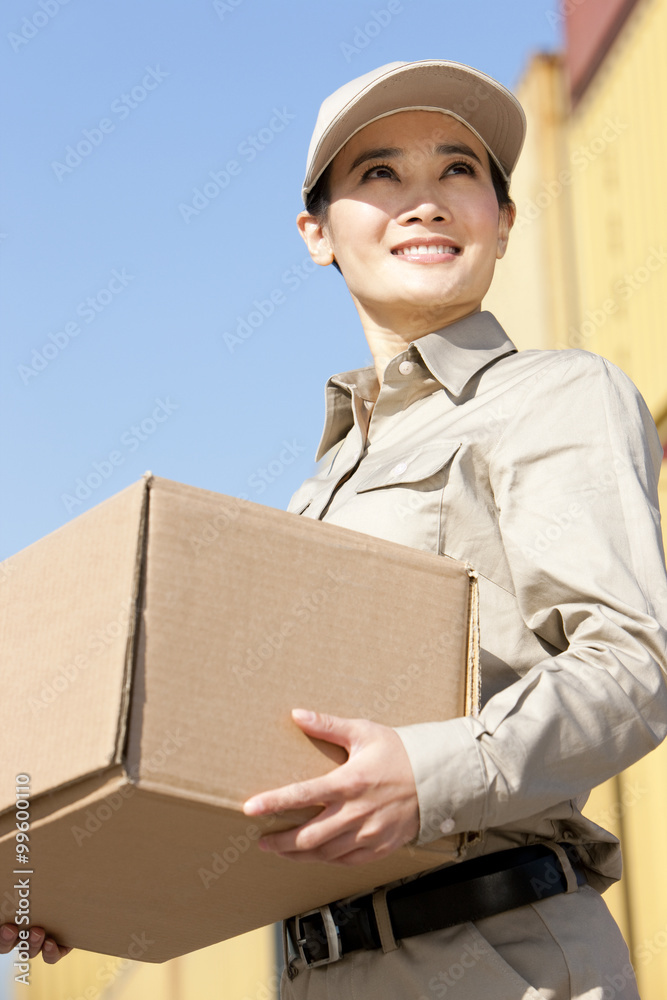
315 492
401 499
420 468
303 497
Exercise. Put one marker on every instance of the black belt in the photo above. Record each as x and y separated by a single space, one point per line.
470 890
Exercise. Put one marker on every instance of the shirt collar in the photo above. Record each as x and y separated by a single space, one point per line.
452 355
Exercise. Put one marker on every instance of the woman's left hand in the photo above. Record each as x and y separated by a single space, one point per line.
370 802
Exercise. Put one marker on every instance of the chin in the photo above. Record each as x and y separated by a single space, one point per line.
434 296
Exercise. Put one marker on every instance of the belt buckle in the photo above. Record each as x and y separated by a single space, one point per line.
328 934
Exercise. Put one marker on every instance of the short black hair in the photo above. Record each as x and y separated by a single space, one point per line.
319 199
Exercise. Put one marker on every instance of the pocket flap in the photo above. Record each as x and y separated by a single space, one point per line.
412 466
302 498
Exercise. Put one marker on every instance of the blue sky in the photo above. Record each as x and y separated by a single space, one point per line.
159 308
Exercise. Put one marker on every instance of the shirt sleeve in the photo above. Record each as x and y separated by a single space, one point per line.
581 452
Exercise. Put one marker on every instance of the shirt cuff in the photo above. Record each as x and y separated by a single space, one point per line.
449 774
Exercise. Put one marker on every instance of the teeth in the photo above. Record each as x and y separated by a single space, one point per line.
424 248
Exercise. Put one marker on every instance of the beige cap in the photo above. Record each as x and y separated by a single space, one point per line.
477 100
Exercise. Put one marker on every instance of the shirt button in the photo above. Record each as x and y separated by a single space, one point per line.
447 825
405 367
398 469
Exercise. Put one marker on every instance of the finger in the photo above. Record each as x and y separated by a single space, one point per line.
346 850
331 728
337 831
363 856
327 852
328 824
35 941
8 935
313 792
371 843
52 952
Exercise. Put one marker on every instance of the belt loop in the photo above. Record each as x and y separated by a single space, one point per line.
568 870
291 971
383 920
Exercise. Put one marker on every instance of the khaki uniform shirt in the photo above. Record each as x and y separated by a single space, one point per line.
540 469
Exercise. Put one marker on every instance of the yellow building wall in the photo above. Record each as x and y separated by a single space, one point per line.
243 968
533 294
587 268
620 205
586 264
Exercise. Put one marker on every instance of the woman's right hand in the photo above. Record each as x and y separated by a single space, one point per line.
38 941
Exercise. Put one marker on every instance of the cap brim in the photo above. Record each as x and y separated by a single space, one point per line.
480 102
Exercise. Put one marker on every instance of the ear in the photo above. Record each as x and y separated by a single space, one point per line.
316 238
506 219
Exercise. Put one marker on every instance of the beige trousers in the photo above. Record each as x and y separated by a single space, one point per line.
567 947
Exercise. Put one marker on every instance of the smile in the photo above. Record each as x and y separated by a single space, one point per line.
424 249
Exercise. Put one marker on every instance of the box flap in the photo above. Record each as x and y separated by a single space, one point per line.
67 619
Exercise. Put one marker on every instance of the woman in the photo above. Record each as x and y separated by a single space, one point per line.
539 468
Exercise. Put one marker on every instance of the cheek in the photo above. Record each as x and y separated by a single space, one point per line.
355 227
482 220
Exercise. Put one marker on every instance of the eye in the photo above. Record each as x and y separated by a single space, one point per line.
379 171
462 167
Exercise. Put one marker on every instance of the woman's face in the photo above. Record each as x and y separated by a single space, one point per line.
413 221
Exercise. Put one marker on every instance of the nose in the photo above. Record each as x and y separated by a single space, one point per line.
426 215
425 207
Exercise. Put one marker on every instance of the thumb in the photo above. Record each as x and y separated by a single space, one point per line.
331 728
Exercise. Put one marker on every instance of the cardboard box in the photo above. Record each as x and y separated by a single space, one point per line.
153 649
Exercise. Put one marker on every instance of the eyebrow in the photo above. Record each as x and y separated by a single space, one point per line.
447 149
381 153
387 152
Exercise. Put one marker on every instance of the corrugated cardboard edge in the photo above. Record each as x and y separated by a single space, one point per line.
473 674
473 682
473 701
116 756
133 624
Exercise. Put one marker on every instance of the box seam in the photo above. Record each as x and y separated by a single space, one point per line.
138 586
